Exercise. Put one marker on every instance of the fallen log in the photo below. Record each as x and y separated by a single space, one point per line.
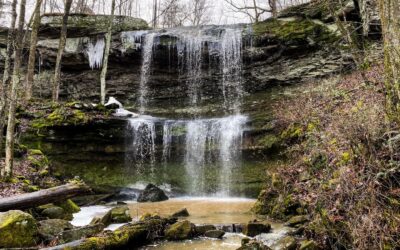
43 197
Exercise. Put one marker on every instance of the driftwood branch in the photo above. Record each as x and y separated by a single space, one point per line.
43 197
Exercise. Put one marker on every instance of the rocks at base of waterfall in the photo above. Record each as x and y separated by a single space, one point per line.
255 228
248 244
80 233
50 229
181 213
286 243
118 214
216 234
152 193
181 230
202 229
52 211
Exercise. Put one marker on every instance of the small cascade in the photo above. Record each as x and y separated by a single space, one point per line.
231 65
147 57
95 52
143 132
190 49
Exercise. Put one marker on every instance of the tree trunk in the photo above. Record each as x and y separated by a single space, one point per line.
14 93
6 75
390 12
43 197
32 51
105 57
61 47
274 8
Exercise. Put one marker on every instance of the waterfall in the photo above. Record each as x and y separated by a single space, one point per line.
147 57
95 52
143 131
205 146
231 64
189 49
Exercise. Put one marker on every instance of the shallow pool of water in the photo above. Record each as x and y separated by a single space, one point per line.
202 210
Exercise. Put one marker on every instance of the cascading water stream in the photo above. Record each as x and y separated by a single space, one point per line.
203 143
147 57
231 57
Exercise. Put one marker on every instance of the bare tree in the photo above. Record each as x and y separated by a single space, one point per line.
61 47
155 14
390 12
173 14
198 12
106 53
10 139
252 8
7 72
32 51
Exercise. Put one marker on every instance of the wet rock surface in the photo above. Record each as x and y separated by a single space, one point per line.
255 228
152 193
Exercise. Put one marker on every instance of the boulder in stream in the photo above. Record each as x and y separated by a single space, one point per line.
181 230
216 234
202 229
152 193
17 229
248 244
255 228
181 213
118 214
286 243
50 229
80 233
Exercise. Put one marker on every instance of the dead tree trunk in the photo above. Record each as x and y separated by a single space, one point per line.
32 51
105 57
43 197
61 47
390 11
14 93
7 72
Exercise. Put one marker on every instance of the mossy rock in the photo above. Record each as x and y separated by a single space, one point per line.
265 202
296 221
120 214
215 234
52 211
61 116
17 229
50 229
88 25
69 206
180 231
286 243
248 244
295 32
202 229
80 233
255 228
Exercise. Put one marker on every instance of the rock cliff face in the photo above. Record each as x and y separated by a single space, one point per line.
293 49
